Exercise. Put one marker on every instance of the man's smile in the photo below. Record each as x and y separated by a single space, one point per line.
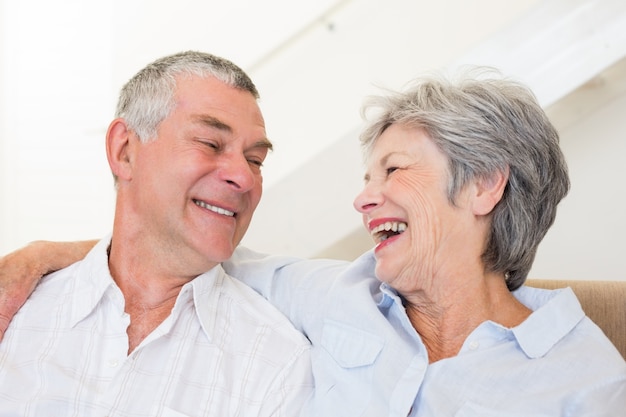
214 209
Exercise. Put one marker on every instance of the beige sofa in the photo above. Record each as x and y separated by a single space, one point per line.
603 301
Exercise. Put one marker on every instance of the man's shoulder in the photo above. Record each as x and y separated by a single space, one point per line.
254 311
58 282
48 308
94 263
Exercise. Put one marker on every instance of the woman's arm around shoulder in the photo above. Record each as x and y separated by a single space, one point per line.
21 270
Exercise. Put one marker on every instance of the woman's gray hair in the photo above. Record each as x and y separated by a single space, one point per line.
148 97
485 124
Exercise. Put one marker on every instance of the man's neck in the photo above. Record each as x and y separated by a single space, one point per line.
150 291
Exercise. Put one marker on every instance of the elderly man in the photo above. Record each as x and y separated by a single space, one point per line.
139 327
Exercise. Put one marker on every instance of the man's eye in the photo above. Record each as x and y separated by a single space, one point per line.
390 170
209 143
255 162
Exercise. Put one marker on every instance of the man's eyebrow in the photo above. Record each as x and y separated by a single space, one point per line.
216 123
264 143
213 122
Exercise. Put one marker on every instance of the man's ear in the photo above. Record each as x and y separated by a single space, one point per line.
489 191
120 149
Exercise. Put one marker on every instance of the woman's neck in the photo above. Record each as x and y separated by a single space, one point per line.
445 320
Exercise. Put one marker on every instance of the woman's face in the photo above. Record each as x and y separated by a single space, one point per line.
417 231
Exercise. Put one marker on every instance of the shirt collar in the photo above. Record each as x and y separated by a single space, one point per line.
555 314
389 296
94 283
203 292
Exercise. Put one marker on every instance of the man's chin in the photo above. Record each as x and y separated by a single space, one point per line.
218 256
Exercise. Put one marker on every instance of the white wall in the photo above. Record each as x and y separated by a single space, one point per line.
587 239
61 65
556 46
56 101
317 85
60 69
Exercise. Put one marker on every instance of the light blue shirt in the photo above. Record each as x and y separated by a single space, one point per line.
369 361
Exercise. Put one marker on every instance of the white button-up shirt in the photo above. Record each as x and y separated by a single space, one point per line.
223 351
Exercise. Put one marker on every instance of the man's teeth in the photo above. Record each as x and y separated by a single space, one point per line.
214 208
382 229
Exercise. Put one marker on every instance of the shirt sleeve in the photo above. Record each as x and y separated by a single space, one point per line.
293 285
606 399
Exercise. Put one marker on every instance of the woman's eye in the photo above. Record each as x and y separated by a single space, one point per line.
391 170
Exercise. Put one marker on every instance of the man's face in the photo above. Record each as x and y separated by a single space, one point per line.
197 185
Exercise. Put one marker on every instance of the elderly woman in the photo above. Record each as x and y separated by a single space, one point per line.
462 182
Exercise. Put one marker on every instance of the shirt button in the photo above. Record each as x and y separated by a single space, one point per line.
113 363
474 345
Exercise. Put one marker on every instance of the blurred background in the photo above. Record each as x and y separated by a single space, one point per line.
314 61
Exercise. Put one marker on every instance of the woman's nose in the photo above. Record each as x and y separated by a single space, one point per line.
368 199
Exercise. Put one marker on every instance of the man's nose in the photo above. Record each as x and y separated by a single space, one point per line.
237 172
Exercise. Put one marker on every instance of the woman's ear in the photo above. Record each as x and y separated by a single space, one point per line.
119 149
489 191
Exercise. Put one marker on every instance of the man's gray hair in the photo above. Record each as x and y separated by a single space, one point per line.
148 97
